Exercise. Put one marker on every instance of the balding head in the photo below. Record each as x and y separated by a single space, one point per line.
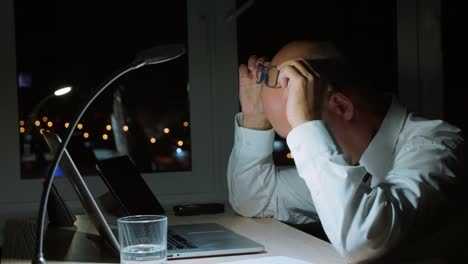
308 50
274 100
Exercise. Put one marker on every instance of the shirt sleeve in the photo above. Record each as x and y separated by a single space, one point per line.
363 222
257 188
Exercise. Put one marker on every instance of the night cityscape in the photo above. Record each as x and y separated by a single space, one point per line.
145 114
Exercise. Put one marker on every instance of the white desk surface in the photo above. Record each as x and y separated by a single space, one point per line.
279 240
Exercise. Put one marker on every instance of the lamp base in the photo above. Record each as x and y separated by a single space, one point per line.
40 260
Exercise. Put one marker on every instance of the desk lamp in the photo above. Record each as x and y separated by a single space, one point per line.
156 55
53 209
57 93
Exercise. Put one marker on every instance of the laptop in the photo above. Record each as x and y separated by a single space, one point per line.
184 241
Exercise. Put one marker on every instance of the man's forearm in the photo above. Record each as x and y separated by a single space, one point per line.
251 171
258 188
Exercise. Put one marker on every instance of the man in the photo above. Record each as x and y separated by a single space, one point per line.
382 181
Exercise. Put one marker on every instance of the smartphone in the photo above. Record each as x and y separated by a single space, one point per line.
128 187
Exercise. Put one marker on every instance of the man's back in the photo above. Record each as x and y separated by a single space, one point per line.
414 162
429 154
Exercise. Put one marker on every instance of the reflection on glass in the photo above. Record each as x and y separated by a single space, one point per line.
153 131
144 115
281 153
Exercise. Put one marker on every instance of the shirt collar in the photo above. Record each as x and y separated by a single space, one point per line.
377 158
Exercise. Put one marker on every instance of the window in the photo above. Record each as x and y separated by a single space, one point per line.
144 114
454 54
212 72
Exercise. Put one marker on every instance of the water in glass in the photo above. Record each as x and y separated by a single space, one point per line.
144 253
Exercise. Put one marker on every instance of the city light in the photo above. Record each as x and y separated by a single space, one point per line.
37 123
86 135
125 128
186 124
180 143
166 130
22 129
67 125
278 145
41 131
21 123
180 154
105 136
289 155
153 140
44 119
108 127
50 124
80 126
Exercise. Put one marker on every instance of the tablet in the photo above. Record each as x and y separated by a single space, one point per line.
127 186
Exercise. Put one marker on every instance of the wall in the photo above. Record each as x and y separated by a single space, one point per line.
420 67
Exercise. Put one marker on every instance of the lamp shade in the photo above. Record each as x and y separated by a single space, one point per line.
159 54
62 91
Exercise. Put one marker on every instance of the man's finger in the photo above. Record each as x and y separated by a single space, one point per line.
261 60
287 73
252 63
307 65
243 71
302 67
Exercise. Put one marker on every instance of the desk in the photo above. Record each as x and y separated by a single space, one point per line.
279 240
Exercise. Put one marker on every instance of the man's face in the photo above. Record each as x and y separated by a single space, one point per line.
275 99
274 105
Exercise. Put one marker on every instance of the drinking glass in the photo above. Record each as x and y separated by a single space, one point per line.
143 239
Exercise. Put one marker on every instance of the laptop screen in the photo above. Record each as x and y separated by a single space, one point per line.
87 200
128 186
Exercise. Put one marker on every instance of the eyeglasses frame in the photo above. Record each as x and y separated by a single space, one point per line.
264 77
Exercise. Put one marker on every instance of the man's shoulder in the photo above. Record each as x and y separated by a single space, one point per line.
417 129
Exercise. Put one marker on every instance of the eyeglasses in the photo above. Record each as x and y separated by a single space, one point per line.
268 74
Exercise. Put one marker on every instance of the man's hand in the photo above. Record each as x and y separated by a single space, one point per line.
251 97
302 84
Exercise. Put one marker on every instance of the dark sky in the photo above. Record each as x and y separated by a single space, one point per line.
454 48
85 41
364 28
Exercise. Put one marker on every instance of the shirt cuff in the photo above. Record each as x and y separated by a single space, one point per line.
310 140
253 141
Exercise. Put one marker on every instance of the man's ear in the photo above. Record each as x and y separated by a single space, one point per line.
341 105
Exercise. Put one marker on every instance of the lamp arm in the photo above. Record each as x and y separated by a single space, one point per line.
35 111
39 257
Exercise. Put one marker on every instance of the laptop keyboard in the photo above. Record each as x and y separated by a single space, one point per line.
174 241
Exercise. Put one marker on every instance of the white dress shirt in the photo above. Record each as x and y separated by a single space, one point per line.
408 204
